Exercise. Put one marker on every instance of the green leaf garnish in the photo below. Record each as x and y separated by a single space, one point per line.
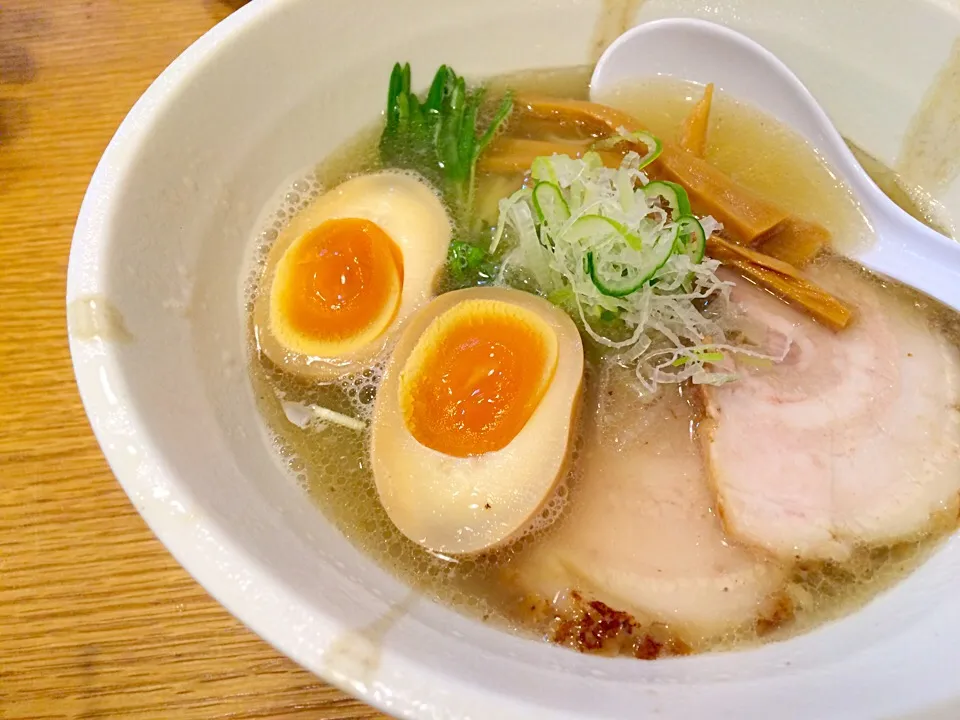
469 265
438 135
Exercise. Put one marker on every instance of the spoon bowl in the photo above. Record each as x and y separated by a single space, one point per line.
700 51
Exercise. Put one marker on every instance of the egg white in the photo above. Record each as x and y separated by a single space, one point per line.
410 213
464 505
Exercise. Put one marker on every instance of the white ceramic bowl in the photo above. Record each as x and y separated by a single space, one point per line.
156 333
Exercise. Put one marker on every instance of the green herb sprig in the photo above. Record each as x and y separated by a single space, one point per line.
438 135
469 265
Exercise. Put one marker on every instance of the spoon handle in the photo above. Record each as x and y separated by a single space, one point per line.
904 249
911 253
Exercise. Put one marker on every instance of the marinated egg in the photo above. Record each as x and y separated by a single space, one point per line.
472 424
347 271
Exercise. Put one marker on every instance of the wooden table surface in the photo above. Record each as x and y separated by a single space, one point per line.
96 619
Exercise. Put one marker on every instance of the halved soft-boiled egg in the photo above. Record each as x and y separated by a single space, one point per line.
473 420
348 270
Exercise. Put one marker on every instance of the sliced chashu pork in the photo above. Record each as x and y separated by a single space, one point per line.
640 531
853 439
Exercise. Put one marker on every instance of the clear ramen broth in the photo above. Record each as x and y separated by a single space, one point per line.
515 586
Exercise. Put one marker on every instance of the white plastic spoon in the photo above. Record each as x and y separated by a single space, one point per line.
904 249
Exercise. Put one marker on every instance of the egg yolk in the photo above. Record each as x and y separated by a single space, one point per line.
337 287
476 376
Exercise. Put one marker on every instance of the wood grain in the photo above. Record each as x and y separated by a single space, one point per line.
96 619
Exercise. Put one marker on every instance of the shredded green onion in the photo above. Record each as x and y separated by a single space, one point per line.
626 257
653 144
327 415
702 355
304 416
672 194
